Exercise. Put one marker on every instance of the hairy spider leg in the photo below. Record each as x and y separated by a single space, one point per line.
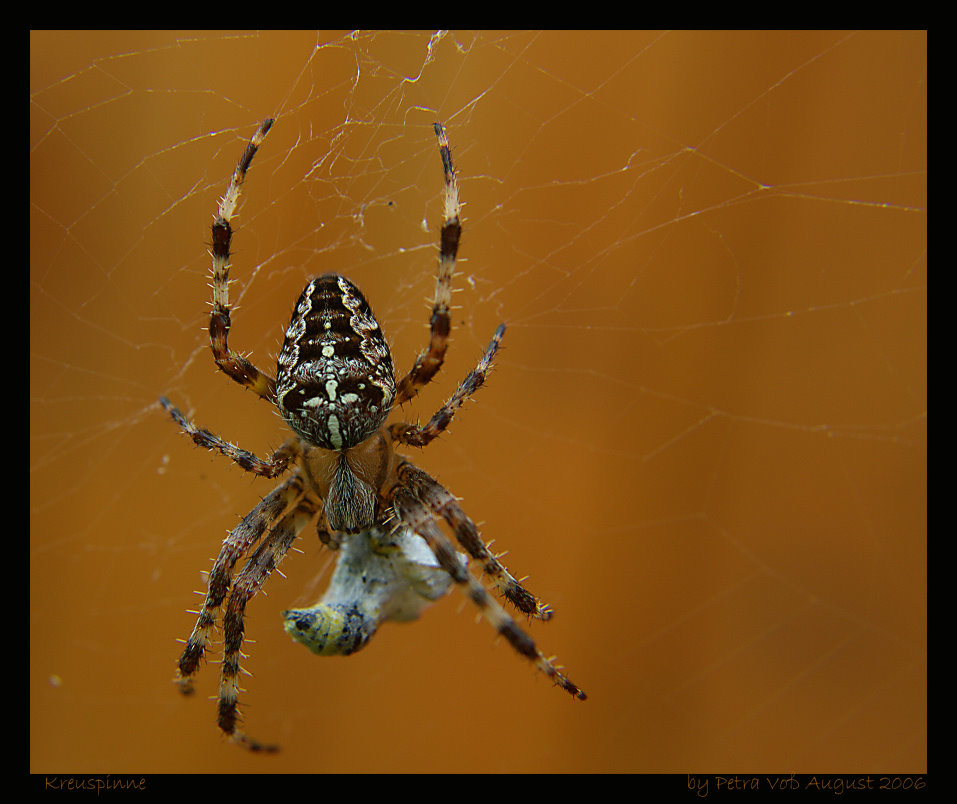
414 513
257 569
441 503
429 362
233 364
239 541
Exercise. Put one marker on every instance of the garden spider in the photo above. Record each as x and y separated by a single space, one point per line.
335 387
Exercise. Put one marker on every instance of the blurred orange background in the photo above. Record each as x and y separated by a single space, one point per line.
704 441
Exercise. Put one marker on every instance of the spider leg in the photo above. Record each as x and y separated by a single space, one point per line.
273 466
232 363
257 569
443 504
235 546
416 436
429 362
414 513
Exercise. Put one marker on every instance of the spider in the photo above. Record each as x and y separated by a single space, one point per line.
335 386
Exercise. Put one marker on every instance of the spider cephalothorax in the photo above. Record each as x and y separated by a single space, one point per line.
335 387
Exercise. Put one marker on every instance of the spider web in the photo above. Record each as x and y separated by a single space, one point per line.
705 438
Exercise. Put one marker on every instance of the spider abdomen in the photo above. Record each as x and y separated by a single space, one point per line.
335 382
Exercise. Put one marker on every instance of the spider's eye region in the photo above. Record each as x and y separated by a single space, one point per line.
334 382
